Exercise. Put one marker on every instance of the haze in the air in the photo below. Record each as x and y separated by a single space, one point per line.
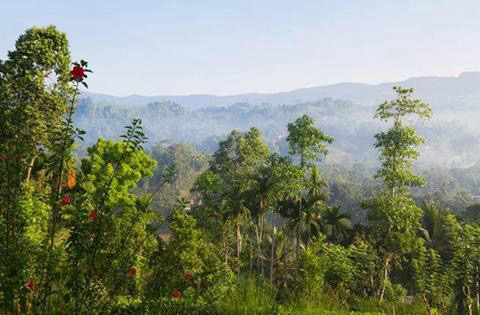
154 47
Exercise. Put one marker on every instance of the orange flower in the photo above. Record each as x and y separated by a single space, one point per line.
188 276
71 179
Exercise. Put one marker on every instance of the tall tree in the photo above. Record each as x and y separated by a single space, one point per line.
394 214
398 144
233 166
34 91
309 143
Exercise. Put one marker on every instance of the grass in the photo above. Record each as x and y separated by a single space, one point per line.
257 297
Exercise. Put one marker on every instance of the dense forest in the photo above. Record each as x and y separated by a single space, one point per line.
307 208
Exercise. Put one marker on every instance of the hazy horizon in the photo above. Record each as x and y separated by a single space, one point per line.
291 89
228 47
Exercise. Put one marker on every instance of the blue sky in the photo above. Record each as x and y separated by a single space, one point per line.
153 47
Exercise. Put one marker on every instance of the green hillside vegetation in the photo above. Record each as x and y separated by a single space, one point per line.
307 208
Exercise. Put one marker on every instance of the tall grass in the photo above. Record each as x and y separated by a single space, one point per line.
257 297
249 296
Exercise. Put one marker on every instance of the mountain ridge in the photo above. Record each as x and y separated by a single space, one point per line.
440 90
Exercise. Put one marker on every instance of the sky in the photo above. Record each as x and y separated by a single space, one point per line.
222 47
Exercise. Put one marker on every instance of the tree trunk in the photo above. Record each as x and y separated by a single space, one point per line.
225 249
309 232
385 276
285 244
272 254
29 169
251 255
257 239
299 226
238 247
262 221
477 295
468 300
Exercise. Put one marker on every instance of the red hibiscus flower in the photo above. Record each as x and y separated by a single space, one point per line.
5 157
31 285
176 294
188 276
65 201
93 214
133 272
77 73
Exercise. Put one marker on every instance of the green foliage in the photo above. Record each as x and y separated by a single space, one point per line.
433 279
102 247
188 163
88 237
249 296
34 89
395 216
311 272
472 214
309 143
306 140
396 154
397 145
186 252
345 271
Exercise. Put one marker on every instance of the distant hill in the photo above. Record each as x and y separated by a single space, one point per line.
441 92
343 110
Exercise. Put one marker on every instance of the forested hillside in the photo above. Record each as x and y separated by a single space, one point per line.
452 133
449 159
318 207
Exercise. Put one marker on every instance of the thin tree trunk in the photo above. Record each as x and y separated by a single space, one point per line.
251 255
284 248
262 221
477 295
299 226
309 232
238 247
272 254
257 238
29 170
297 252
224 245
385 276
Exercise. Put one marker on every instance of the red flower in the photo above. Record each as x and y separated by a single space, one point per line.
65 201
188 276
93 214
5 157
31 285
133 272
176 294
77 73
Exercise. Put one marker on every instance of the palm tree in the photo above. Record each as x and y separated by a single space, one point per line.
335 223
311 216
258 198
315 184
313 203
233 208
432 225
